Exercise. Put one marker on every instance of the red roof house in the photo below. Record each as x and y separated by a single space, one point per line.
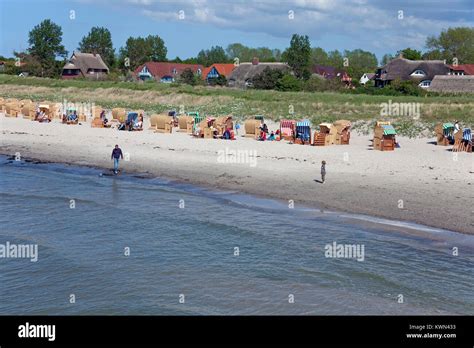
216 70
461 69
165 71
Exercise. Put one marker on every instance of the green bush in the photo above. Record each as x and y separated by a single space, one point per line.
288 83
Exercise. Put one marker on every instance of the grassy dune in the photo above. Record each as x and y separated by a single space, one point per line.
318 107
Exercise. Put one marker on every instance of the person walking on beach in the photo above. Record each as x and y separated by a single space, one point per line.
116 155
323 171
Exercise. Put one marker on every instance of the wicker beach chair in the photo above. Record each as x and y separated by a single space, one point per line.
303 132
384 137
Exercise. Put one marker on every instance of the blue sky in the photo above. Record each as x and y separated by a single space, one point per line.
187 26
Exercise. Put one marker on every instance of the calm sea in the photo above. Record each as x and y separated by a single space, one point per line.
219 253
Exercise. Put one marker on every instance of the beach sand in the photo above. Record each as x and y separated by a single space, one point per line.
419 182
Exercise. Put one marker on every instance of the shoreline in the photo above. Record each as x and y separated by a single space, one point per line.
370 185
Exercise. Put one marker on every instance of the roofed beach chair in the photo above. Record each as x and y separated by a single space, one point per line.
119 114
463 140
444 133
164 123
343 132
303 132
252 128
384 137
326 135
287 129
223 123
183 122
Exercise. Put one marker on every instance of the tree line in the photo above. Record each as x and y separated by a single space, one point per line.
45 47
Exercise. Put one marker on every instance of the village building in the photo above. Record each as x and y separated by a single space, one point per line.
461 69
329 73
243 74
165 72
420 71
366 78
452 84
88 65
217 70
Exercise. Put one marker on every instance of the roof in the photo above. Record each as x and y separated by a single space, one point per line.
401 68
452 84
247 71
85 62
370 76
161 69
303 123
388 130
222 69
448 125
328 72
467 68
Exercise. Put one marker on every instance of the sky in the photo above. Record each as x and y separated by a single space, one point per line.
187 26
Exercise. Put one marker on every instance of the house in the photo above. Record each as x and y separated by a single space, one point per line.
452 84
366 78
217 70
244 73
329 72
165 71
420 71
85 65
461 69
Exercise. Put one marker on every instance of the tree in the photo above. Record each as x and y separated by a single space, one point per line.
187 76
386 58
454 43
408 53
45 41
319 56
359 62
214 55
298 56
267 79
140 50
335 59
99 41
246 54
288 83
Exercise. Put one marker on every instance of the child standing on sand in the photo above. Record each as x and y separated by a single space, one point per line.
323 171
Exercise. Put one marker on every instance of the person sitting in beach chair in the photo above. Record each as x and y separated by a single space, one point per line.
262 136
72 117
42 117
138 125
272 136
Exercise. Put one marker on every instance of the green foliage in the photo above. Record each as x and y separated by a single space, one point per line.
214 55
359 62
267 79
453 42
45 41
298 56
246 54
218 81
99 41
187 77
411 54
386 59
289 83
140 50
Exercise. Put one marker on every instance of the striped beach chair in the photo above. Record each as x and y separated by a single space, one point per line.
287 129
303 132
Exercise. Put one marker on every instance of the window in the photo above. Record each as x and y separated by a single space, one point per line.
418 72
425 83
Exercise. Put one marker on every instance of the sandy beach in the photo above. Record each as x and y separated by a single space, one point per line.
419 182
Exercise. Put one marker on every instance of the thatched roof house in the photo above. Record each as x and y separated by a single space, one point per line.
84 65
244 73
421 71
453 84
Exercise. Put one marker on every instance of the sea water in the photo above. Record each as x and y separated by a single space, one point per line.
133 245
